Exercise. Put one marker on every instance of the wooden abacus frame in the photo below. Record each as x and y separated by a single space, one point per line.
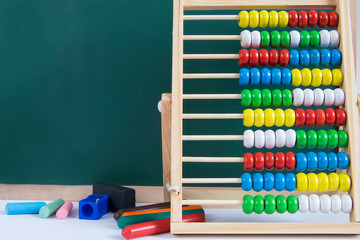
218 196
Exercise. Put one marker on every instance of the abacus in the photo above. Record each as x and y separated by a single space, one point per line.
319 70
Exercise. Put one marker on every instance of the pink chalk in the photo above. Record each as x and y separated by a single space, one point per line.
64 211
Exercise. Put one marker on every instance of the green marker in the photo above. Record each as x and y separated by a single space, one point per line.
51 208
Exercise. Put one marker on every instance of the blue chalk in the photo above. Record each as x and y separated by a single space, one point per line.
93 207
23 208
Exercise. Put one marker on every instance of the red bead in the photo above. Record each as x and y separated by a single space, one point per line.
279 161
259 162
313 18
263 57
243 58
290 161
269 160
300 117
320 117
284 57
310 117
273 57
330 116
293 19
248 162
340 117
303 19
323 19
254 57
333 19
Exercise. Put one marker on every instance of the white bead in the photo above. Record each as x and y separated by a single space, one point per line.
334 38
245 39
290 138
318 96
249 137
339 97
294 38
280 138
329 97
298 97
308 97
255 39
303 203
335 203
324 38
269 139
259 139
325 203
314 203
346 203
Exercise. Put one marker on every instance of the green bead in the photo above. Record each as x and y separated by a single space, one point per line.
293 204
258 204
322 139
285 39
276 97
301 139
266 97
265 39
333 138
304 39
275 39
246 97
343 138
314 38
286 97
311 139
270 204
281 204
248 204
256 98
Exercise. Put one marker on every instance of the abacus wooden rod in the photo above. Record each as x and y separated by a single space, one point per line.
214 116
212 159
212 202
209 75
212 37
213 137
213 96
211 180
211 17
211 56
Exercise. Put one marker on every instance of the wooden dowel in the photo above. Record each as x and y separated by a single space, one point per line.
211 180
211 17
213 137
212 96
209 75
211 56
212 202
212 37
214 116
212 159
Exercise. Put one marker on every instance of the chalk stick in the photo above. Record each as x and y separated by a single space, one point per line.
51 208
120 212
64 210
158 210
23 208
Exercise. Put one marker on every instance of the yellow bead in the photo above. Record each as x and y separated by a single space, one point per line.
333 181
283 19
301 182
263 19
248 117
323 182
338 77
345 182
296 78
317 77
313 182
306 77
259 117
279 117
243 19
273 19
327 76
289 117
254 19
269 117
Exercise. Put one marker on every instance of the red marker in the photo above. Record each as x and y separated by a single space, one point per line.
158 226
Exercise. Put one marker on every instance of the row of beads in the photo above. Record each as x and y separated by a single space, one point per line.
285 76
270 204
321 138
318 97
325 203
293 39
294 58
320 117
310 161
302 182
283 19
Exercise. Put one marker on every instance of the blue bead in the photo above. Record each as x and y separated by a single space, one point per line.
304 58
246 182
325 56
333 161
301 161
290 182
286 76
269 181
258 182
343 160
335 58
294 58
265 76
275 76
255 76
314 57
323 160
279 182
313 162
244 78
